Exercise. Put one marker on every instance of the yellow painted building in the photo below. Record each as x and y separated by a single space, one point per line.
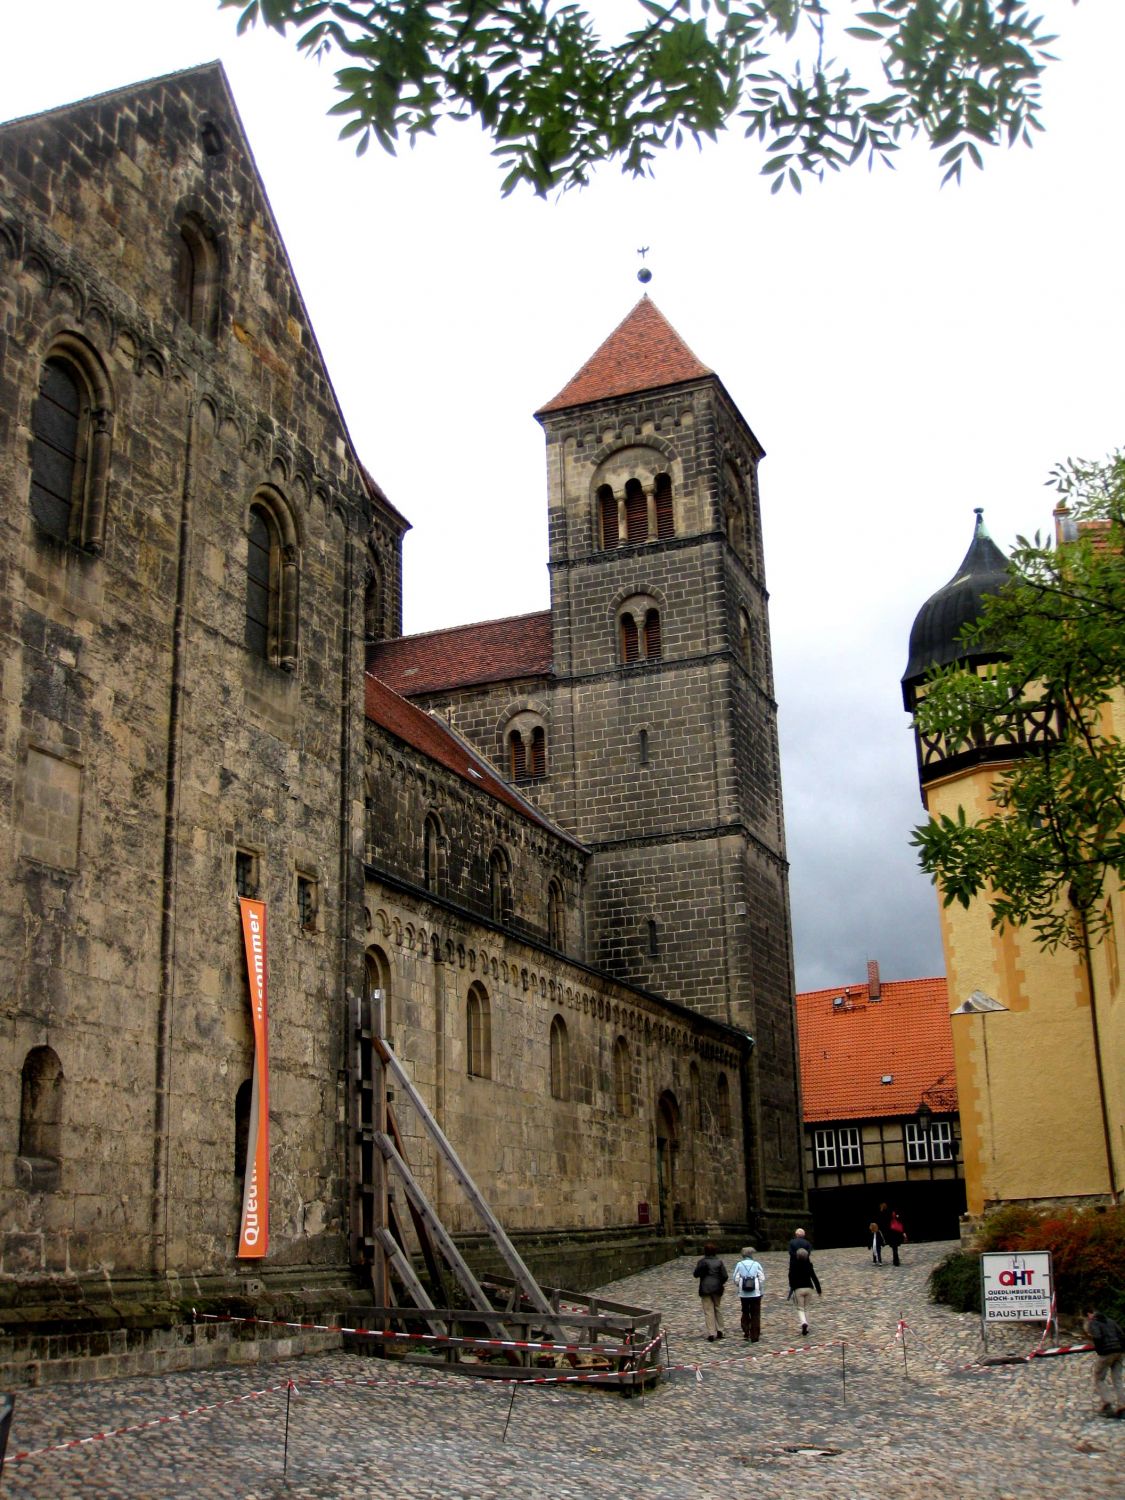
1038 1037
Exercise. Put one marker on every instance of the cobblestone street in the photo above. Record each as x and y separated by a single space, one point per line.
770 1425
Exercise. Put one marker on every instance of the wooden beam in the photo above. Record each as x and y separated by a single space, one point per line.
398 1258
508 1251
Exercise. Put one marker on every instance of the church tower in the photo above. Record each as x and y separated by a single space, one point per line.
664 722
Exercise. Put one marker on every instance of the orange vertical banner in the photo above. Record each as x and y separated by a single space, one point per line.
254 1236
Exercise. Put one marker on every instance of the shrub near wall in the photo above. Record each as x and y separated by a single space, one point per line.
1088 1255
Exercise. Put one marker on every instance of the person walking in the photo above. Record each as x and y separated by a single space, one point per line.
877 1242
749 1279
893 1229
1109 1367
802 1282
712 1277
800 1241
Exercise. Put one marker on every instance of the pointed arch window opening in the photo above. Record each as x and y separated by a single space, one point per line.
478 1033
559 1060
271 584
198 277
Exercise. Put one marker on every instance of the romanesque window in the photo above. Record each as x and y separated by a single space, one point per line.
636 512
642 747
537 755
246 873
607 517
197 277
271 581
653 647
653 938
560 1060
556 916
369 806
373 605
307 902
745 640
242 1099
630 640
433 855
41 1112
622 1077
70 436
639 631
376 980
517 756
499 886
696 1095
665 512
527 750
722 1093
478 1028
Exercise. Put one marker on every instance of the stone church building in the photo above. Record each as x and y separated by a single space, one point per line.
553 844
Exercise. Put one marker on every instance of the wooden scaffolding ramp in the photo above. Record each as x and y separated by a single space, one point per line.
504 1327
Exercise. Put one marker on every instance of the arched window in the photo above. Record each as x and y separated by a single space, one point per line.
373 606
197 277
242 1099
745 640
478 1033
560 1060
607 517
41 1106
556 916
517 756
653 938
652 635
537 761
271 581
622 1077
433 855
722 1091
696 1103
665 513
70 438
642 747
376 976
369 808
630 640
499 887
636 512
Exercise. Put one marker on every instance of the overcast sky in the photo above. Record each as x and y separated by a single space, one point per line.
904 352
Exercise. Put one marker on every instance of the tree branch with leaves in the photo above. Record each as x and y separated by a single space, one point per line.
1055 839
559 98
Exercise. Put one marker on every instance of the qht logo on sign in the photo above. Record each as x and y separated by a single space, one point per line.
1016 1288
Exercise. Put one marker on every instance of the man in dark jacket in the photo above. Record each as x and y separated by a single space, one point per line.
1109 1349
802 1281
712 1277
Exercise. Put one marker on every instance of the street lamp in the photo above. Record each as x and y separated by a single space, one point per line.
925 1115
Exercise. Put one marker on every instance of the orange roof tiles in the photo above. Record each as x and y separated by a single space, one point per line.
495 651
847 1050
644 352
424 732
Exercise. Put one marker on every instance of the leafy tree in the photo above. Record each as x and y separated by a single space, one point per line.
558 98
1057 831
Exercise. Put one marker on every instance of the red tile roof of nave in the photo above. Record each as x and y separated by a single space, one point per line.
426 733
494 651
643 353
847 1049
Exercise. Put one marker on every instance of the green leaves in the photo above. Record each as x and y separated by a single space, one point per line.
559 99
1054 841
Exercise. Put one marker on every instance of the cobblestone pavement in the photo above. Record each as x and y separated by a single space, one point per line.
930 1425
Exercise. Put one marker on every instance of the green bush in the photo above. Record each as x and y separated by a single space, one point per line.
1087 1248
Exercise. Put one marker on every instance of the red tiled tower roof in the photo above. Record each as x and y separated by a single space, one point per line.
850 1043
424 732
642 353
465 655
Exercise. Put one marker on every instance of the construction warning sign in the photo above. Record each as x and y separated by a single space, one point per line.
1016 1287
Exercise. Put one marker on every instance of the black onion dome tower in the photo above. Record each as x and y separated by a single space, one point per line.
935 640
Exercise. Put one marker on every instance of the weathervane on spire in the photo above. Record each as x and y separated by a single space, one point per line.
644 275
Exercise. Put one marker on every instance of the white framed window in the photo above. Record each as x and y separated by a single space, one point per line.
917 1148
941 1140
824 1143
851 1151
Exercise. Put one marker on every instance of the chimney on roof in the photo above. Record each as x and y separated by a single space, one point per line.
873 991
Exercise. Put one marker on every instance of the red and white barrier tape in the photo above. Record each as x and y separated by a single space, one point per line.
441 1340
